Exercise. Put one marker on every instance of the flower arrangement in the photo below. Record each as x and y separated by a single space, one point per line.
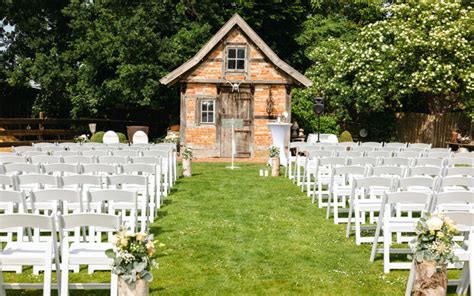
274 151
132 255
81 139
187 152
171 138
434 242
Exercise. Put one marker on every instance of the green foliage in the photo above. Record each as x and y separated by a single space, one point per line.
97 137
345 137
122 138
273 151
417 58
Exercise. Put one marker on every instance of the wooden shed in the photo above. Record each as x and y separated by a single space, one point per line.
236 75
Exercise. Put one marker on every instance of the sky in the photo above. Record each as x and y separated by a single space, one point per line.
7 28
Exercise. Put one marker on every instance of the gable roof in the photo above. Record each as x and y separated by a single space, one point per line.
236 20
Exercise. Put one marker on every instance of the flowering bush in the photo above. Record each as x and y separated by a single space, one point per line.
132 255
187 152
274 151
434 240
81 139
171 138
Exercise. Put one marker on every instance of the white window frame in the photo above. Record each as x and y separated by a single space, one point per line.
213 112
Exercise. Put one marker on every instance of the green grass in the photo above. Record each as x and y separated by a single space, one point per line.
233 232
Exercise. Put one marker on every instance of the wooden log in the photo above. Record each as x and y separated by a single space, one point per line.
429 280
275 166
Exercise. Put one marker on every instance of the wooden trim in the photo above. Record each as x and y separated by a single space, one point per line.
182 120
236 20
41 132
217 81
260 60
265 117
199 99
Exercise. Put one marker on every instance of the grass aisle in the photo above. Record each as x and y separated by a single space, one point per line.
232 232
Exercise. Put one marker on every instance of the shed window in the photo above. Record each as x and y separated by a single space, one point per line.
207 111
236 58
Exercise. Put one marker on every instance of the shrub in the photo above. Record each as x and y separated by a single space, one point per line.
345 137
122 138
97 137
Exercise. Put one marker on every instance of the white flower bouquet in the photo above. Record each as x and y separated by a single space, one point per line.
81 139
132 256
434 242
273 151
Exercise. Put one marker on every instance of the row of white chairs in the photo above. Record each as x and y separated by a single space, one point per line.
149 198
60 253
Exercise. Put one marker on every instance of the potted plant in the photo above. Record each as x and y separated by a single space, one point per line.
132 255
187 155
274 153
432 251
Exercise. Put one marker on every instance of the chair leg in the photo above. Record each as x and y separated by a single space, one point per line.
357 224
411 280
47 277
113 285
387 242
2 289
349 219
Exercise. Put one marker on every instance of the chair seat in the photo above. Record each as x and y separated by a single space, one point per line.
25 252
402 224
89 253
461 253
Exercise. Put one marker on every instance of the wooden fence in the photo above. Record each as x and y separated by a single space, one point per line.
428 128
24 131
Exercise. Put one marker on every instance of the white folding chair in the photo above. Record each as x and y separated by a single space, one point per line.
363 161
22 149
87 252
113 160
348 145
9 182
78 159
366 197
95 153
32 182
395 144
45 159
379 154
431 171
350 154
310 172
419 145
12 159
340 189
456 183
435 154
453 201
22 168
99 169
323 178
161 179
460 171
429 161
61 169
463 155
457 161
371 144
126 153
63 153
363 149
150 171
388 171
393 150
77 148
391 220
396 161
138 184
36 253
83 184
166 169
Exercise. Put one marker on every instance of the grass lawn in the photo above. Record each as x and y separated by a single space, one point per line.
233 232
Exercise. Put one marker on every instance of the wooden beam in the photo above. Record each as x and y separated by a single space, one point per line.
223 81
35 132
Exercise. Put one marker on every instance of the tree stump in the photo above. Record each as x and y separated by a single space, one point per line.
430 280
275 166
138 288
187 172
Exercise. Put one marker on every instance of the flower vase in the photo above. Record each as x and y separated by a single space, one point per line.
430 279
275 166
138 288
187 172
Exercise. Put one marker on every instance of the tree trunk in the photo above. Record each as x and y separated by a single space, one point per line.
140 287
187 172
430 281
275 167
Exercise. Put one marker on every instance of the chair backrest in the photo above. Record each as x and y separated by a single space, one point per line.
414 149
110 137
388 171
439 150
99 168
394 150
21 149
126 153
51 149
364 161
332 161
9 182
455 200
61 168
460 171
464 221
157 153
459 182
12 159
62 197
29 154
146 160
91 145
370 182
429 161
348 144
112 159
44 144
395 144
22 168
64 153
396 161
138 168
419 145
409 154
350 154
95 153
379 153
140 137
464 155
465 161
371 144
334 148
78 159
82 180
127 180
79 148
320 153
44 159
416 183
440 154
408 197
431 171
28 220
39 179
113 194
347 173
95 222
362 149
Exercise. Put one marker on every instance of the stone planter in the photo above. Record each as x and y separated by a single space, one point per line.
430 281
140 287
275 166
187 172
